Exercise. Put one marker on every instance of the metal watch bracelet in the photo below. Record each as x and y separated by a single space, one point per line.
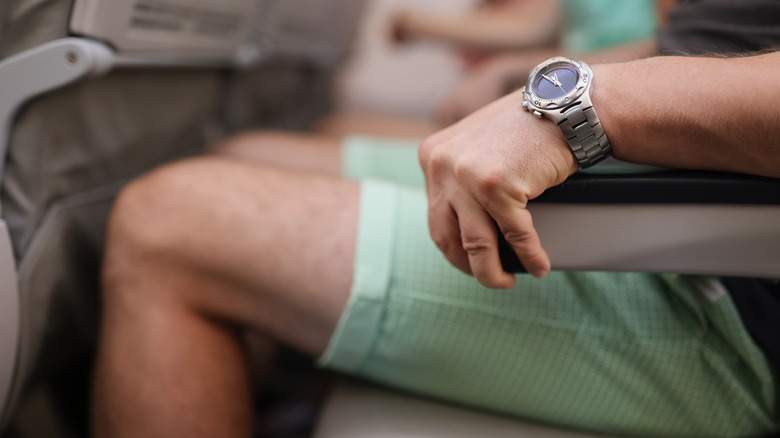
583 131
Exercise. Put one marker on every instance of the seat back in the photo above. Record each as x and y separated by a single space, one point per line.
321 30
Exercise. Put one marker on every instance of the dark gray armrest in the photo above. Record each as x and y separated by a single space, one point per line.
673 221
669 187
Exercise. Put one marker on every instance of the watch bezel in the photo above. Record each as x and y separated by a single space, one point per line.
585 75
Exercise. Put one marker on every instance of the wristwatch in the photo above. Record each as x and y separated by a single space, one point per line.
559 89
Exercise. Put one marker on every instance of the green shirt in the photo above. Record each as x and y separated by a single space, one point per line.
595 24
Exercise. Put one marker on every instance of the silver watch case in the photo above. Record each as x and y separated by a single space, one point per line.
552 108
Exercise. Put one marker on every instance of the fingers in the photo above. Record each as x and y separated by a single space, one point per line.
469 241
519 231
466 235
445 233
480 243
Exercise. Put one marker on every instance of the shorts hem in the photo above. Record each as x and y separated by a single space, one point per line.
355 333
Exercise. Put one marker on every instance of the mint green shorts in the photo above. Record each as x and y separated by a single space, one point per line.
618 353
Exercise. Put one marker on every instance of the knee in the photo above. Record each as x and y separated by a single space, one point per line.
147 224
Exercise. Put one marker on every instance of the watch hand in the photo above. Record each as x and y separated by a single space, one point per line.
554 81
558 83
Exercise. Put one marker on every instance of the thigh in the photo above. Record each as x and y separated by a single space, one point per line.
375 124
355 156
254 246
310 153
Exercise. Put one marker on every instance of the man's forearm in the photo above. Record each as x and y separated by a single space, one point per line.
698 113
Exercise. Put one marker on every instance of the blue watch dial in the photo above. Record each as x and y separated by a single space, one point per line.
556 81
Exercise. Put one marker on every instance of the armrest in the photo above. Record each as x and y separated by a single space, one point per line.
675 221
666 187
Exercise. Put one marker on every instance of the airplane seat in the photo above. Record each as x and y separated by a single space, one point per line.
93 94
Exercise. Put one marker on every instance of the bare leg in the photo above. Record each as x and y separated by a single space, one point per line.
384 125
309 153
196 251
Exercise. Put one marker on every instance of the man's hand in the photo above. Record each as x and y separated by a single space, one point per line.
485 169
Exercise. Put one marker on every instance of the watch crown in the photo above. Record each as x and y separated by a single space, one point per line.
538 114
525 105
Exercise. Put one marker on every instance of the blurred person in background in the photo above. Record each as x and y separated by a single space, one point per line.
501 41
593 30
493 27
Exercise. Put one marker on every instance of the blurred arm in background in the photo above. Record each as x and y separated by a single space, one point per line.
505 73
498 26
596 31
503 40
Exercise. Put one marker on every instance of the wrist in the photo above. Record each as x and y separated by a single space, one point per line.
560 89
604 97
555 146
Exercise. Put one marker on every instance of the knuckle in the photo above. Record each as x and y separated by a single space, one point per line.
485 177
475 246
430 143
441 240
424 151
465 169
521 233
437 161
489 181
429 152
517 237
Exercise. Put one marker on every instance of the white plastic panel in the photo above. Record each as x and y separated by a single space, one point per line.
9 320
733 240
45 68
